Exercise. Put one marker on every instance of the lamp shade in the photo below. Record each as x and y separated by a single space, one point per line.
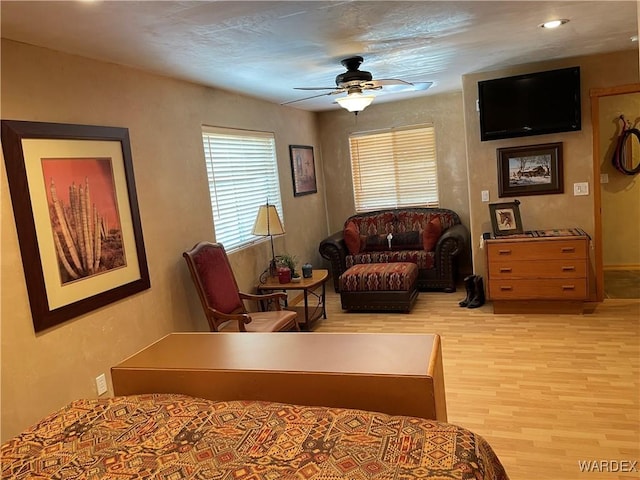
355 101
268 222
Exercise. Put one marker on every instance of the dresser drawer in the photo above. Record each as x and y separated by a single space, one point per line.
537 250
537 289
567 268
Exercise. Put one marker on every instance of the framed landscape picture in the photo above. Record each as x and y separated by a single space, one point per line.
303 170
530 170
76 213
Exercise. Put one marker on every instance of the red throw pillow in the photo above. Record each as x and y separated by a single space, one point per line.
431 234
352 238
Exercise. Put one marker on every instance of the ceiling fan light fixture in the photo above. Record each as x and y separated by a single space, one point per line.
355 101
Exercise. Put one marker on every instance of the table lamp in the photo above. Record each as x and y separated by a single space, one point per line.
268 224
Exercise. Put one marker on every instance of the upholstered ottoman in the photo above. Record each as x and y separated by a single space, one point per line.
379 286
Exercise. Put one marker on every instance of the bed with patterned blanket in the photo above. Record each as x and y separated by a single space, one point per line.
170 436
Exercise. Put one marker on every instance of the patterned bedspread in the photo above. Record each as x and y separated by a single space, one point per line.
173 437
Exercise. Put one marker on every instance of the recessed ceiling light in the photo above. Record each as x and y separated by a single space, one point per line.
554 23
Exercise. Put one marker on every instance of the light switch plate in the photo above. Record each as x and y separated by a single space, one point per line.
485 195
581 188
604 178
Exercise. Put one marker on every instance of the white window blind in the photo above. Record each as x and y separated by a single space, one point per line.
394 168
242 170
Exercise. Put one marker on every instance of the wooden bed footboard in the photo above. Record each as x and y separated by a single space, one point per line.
397 374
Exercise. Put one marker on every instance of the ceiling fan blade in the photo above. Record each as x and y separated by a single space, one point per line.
314 88
335 92
389 81
422 85
394 86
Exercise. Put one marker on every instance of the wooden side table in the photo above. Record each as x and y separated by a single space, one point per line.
307 315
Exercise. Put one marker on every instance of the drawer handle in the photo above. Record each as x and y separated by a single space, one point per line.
505 270
506 288
568 249
568 287
504 252
568 269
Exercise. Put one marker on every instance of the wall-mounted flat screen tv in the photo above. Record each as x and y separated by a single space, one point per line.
531 104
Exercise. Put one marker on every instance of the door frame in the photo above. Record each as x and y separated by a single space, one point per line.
596 94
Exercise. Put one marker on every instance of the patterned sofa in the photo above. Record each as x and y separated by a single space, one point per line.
432 238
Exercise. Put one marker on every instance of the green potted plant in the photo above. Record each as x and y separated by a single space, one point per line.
290 261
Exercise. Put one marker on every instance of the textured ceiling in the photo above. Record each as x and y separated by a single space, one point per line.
265 49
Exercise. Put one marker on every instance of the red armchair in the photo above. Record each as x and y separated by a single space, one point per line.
221 299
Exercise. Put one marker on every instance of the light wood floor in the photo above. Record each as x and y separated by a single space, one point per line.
546 391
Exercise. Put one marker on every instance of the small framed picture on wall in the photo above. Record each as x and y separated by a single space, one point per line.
303 170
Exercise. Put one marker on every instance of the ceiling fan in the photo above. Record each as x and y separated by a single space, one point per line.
354 82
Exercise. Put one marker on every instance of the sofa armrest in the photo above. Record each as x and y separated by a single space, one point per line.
453 241
451 244
334 249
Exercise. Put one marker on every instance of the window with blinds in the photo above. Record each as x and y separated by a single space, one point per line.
242 170
394 168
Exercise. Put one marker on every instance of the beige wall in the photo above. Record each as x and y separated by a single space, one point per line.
463 158
621 194
541 211
444 111
41 372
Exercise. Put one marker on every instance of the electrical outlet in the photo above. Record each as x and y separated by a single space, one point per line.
581 188
604 178
485 195
101 384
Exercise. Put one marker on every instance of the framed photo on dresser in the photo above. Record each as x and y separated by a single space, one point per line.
505 218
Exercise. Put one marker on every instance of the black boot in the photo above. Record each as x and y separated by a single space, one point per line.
478 299
470 286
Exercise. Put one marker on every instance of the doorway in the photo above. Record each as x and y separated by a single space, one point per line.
617 200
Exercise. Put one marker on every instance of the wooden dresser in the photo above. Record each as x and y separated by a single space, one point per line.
538 274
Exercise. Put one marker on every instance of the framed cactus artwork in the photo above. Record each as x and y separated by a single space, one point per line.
76 213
